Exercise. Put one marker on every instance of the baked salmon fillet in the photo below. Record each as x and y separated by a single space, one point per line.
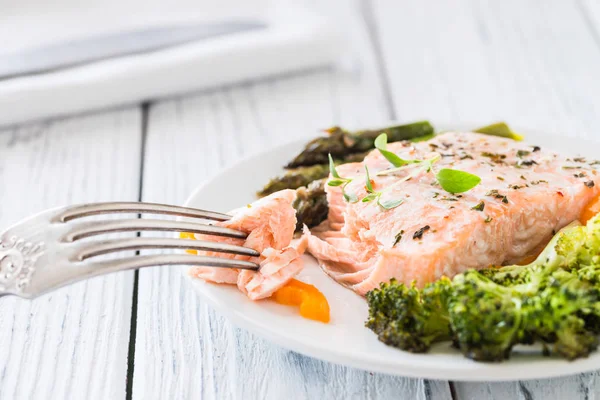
525 195
270 223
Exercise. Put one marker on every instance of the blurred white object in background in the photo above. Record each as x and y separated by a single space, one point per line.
68 56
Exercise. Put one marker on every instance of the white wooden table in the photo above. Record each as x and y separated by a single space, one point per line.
147 335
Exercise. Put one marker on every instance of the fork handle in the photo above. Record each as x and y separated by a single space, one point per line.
16 268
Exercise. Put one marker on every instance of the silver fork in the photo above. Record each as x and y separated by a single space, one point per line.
44 252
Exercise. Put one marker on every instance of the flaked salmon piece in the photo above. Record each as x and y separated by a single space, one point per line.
343 260
276 269
215 275
527 193
270 223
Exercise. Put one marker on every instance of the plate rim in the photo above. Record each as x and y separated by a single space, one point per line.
421 370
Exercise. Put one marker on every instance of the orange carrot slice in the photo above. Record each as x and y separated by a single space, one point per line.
188 235
313 304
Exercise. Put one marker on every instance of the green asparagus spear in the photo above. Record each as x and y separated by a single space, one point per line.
315 151
354 157
302 176
364 140
500 129
340 142
311 204
295 178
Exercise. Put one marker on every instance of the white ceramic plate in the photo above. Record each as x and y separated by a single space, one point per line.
345 340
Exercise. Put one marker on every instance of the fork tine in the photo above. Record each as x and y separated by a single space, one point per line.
86 210
111 246
136 262
92 228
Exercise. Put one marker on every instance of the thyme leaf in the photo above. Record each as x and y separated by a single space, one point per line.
381 145
339 181
374 195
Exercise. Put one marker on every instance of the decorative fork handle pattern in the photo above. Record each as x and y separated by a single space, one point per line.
17 263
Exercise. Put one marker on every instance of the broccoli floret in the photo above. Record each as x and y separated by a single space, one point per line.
563 251
407 317
486 318
553 306
566 314
590 253
589 274
577 246
511 275
571 247
573 340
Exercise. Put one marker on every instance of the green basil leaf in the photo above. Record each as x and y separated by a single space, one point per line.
336 182
332 168
456 181
368 184
389 204
381 145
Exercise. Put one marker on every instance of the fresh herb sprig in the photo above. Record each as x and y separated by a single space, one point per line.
451 180
381 145
339 181
353 198
375 195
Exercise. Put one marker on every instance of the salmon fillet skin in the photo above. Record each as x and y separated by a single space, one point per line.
270 223
526 194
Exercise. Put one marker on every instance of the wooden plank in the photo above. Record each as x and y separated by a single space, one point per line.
183 348
530 63
533 64
71 343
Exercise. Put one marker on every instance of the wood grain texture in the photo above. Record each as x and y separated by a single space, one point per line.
183 348
71 343
534 64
